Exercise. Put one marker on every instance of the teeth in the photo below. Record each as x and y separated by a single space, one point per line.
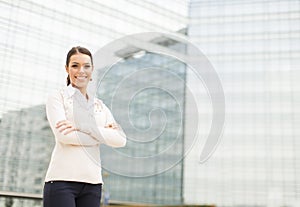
80 77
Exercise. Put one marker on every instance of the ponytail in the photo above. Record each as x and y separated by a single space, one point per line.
68 80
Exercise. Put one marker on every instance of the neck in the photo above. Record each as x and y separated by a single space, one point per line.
83 91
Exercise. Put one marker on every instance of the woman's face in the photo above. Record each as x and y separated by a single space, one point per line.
80 70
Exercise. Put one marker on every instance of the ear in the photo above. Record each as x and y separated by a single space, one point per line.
67 69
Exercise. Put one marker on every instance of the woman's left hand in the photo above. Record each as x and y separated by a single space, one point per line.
113 126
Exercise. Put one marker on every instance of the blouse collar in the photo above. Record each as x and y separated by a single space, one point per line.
70 91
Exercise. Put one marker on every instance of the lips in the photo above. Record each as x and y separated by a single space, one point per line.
80 77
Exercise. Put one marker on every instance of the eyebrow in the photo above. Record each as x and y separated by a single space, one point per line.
78 63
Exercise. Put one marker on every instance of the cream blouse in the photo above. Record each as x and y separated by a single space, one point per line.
76 156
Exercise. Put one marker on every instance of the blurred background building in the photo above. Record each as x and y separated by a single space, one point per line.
255 48
253 45
156 116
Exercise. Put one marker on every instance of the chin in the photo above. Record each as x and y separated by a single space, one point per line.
80 85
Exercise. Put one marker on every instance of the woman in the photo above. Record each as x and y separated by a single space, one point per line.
80 123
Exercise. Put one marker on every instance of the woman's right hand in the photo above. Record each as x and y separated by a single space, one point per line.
65 127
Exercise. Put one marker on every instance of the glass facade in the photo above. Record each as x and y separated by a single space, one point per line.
26 142
35 38
155 124
254 46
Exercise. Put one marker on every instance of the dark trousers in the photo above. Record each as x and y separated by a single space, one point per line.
71 194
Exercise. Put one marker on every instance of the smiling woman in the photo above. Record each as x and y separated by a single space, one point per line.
79 66
80 123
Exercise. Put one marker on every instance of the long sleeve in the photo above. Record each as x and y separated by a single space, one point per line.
55 112
112 137
108 136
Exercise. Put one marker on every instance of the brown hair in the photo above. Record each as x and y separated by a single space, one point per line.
77 50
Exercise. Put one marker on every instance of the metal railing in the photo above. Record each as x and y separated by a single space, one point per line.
39 197
30 196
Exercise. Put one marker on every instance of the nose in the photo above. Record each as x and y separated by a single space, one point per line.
81 69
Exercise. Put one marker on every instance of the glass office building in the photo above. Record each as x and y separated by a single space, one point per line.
26 142
253 45
155 88
146 93
35 38
255 48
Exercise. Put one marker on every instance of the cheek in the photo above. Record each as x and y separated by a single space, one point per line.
71 72
89 73
71 75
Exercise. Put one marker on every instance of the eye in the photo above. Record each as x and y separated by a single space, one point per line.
87 66
74 66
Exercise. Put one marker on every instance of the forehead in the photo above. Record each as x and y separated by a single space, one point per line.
80 58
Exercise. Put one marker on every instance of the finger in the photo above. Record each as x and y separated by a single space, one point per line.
115 126
60 123
64 124
64 127
69 130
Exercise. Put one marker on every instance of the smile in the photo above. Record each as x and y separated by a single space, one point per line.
80 77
